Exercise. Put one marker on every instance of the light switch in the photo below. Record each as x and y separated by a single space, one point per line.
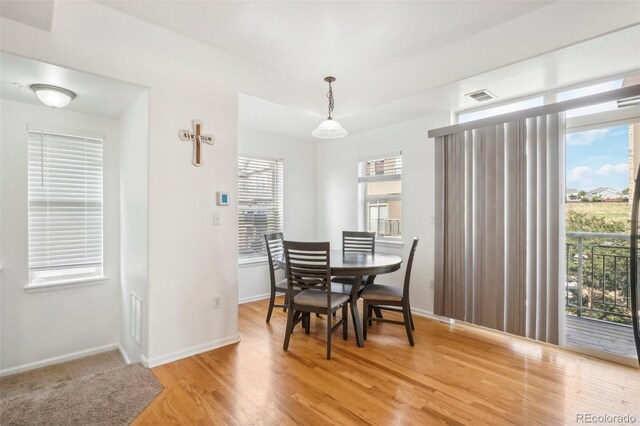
216 218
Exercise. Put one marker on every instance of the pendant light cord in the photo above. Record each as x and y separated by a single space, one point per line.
330 97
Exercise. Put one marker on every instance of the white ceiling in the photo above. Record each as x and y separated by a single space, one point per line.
95 94
309 40
398 60
612 55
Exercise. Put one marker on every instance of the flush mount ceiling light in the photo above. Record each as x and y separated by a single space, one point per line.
53 96
330 128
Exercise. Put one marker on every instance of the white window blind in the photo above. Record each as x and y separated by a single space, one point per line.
260 203
380 192
65 207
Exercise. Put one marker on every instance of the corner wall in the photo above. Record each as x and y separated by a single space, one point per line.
299 160
337 194
134 224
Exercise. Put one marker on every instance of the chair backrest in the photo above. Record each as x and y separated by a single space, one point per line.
358 242
274 250
308 266
407 273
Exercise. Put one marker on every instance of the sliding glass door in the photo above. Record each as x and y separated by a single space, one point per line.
602 160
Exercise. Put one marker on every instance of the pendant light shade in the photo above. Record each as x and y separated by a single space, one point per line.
330 128
53 96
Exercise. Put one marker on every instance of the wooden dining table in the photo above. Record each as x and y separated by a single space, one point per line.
358 265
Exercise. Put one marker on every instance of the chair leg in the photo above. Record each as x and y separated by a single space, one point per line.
366 314
286 303
307 323
289 330
272 300
370 315
345 323
413 327
329 321
407 323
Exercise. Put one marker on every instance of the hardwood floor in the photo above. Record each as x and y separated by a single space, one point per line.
455 374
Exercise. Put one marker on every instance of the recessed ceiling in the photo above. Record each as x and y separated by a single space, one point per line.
95 94
309 40
612 55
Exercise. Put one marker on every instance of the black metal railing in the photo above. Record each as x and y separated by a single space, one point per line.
598 276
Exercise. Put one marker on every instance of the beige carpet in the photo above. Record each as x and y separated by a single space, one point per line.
97 390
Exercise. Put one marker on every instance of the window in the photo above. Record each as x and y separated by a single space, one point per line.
464 117
593 89
65 208
260 203
380 190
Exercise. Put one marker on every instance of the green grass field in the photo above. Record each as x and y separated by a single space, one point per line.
613 211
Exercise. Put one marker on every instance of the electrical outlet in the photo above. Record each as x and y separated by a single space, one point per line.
216 218
217 302
431 283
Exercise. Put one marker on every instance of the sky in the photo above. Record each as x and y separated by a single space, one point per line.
598 158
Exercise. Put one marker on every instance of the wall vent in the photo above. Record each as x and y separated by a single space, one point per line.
481 95
135 317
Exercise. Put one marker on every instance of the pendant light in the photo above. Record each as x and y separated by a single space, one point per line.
53 96
330 128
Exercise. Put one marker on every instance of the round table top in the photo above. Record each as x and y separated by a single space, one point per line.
359 264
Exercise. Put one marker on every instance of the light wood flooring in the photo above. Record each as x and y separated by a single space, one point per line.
455 374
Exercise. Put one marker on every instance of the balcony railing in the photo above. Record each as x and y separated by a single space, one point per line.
386 227
598 271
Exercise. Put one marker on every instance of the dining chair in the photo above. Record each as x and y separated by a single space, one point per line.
274 250
308 267
355 242
390 298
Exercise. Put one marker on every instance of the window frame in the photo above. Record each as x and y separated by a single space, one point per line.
262 257
363 210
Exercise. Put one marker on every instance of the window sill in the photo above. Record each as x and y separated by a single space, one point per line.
390 243
252 261
65 284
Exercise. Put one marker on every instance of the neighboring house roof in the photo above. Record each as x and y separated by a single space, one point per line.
603 190
572 191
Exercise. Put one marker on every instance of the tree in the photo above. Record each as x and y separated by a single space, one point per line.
582 194
625 191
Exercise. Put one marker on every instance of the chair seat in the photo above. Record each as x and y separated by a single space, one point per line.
338 287
348 280
318 299
382 292
282 284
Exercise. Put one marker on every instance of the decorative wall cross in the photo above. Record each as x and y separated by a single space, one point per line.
197 137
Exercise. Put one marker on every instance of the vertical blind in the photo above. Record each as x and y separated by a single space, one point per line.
499 226
260 203
65 188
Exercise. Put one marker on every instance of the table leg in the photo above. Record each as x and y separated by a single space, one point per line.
354 312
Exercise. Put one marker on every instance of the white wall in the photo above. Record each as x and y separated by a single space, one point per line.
299 158
190 260
134 224
337 194
46 324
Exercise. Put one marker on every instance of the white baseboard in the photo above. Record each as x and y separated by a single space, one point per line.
124 355
145 361
431 315
253 298
194 350
58 359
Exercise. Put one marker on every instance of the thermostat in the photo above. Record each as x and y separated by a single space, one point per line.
223 198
